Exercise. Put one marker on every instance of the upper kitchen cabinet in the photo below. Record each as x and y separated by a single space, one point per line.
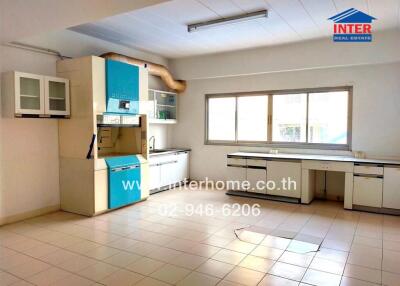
26 94
126 88
56 94
162 107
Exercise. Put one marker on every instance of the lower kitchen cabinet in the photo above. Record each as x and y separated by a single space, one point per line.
367 191
168 170
236 174
254 176
182 171
155 175
289 171
391 188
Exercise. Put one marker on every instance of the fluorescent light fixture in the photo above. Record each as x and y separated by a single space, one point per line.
227 20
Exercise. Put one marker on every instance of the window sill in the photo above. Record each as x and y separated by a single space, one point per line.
319 146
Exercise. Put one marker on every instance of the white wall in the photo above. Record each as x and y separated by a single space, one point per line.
376 105
319 53
29 147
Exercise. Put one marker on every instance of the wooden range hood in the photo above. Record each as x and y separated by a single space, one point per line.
154 69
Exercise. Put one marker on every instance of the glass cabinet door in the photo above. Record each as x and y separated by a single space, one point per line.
166 106
57 96
29 95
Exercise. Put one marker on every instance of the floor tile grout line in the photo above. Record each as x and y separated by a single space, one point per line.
83 254
103 243
355 231
326 234
97 260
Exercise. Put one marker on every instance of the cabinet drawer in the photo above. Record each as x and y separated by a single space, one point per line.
236 162
367 191
368 169
256 163
346 167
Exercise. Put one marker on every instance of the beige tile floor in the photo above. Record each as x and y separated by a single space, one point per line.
158 243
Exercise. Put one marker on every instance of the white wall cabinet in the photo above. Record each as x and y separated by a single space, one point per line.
278 170
169 169
391 188
29 93
56 96
32 94
162 107
367 191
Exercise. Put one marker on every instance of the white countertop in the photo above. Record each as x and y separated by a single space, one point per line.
313 157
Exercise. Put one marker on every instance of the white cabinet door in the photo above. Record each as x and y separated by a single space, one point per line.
286 178
168 172
254 176
367 191
235 178
182 171
391 188
56 94
155 176
29 94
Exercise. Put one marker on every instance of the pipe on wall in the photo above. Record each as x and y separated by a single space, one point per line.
154 69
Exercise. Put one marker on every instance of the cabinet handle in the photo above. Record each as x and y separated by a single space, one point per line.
169 162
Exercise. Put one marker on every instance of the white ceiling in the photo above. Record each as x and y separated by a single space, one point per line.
22 18
162 29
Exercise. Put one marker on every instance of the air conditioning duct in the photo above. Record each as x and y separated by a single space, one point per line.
154 69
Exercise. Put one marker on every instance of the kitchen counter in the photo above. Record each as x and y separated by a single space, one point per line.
160 152
257 155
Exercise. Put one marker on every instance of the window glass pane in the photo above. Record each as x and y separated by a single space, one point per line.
289 117
252 118
328 117
221 118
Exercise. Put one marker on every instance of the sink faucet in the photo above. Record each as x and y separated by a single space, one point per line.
152 147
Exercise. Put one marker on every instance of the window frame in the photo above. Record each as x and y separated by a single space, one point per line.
275 144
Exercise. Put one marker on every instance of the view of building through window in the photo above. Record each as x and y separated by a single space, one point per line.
289 122
310 117
252 118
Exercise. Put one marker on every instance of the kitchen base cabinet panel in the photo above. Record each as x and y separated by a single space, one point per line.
391 188
257 180
235 178
168 170
367 191
288 171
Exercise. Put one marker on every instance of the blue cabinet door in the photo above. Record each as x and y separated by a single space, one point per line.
124 181
124 186
122 87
